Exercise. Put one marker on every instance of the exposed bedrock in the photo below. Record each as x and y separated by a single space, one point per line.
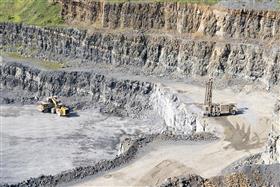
177 115
121 96
125 95
153 53
176 17
272 152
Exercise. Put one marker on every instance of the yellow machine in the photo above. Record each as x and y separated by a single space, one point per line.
53 105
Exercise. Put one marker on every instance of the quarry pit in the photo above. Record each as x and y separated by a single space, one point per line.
134 77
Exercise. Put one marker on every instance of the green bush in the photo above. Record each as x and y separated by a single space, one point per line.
35 12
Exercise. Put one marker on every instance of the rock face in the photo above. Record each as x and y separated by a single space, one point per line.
156 53
176 17
117 96
113 95
272 152
176 114
173 39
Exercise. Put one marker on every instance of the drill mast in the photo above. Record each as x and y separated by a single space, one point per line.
216 109
208 93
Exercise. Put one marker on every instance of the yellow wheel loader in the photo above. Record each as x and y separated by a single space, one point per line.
53 105
62 111
44 106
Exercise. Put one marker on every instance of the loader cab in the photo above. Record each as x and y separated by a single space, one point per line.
63 111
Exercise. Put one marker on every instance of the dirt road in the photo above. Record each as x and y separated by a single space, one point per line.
241 136
35 143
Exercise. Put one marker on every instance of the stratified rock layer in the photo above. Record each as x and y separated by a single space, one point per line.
114 95
176 17
154 53
272 152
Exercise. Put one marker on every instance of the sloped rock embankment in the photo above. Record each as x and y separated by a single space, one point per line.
113 95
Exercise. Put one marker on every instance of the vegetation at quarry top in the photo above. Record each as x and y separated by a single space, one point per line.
35 12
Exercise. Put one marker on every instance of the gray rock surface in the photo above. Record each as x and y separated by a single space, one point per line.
23 83
153 53
272 152
256 175
169 39
115 96
178 116
177 17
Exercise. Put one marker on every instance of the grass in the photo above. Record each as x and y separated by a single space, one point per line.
50 65
34 12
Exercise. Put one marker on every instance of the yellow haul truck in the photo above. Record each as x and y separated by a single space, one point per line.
53 105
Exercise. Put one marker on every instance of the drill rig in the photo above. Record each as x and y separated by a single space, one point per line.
216 109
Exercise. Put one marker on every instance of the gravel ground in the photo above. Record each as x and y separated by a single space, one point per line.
35 143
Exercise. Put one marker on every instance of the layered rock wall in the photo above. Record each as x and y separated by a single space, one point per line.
121 96
116 95
177 17
176 114
156 53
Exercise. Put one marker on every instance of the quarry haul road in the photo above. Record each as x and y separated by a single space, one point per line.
35 143
241 136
